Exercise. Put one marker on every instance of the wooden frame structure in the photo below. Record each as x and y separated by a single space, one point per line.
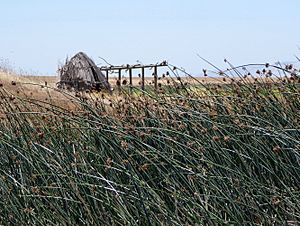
130 68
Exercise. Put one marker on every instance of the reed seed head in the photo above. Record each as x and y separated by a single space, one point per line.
277 149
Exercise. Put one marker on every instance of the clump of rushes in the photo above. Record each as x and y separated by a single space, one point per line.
182 158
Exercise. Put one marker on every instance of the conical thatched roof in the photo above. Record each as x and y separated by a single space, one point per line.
80 73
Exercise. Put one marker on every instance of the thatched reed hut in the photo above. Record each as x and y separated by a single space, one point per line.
81 73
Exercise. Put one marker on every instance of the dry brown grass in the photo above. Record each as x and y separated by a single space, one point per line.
43 88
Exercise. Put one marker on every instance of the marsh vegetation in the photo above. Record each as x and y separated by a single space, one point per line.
224 153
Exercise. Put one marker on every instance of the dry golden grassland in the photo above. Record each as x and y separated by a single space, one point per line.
41 87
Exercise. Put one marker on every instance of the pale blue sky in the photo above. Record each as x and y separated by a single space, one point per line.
36 35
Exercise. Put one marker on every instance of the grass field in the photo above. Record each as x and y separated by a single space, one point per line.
225 151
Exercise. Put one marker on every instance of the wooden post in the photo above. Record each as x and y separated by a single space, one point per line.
107 75
155 77
130 77
120 77
143 78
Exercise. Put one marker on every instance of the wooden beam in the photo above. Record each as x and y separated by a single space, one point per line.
120 77
155 77
135 66
107 75
143 78
130 77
